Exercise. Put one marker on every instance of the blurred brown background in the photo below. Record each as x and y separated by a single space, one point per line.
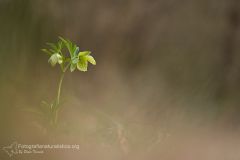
166 83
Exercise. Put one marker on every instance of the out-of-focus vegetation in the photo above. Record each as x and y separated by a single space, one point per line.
166 85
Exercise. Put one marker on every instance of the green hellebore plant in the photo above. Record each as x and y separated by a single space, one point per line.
76 59
67 55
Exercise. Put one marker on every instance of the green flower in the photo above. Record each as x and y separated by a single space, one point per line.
83 59
72 59
55 58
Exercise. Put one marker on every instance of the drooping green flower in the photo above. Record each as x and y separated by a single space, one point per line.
83 59
55 58
74 59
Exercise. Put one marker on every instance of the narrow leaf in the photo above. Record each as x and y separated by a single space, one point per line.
75 60
76 51
47 51
73 67
68 44
54 47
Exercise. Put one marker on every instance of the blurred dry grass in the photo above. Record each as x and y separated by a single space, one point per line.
165 85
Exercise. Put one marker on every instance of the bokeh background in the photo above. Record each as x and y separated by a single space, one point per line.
166 83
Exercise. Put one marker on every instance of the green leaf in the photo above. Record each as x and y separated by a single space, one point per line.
73 67
91 60
76 51
45 103
53 51
82 64
75 60
84 53
73 48
47 51
60 46
62 39
55 58
54 47
68 44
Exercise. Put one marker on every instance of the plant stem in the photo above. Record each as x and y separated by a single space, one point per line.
59 88
56 109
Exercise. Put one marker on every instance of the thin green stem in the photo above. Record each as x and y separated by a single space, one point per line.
59 88
60 83
56 116
56 109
